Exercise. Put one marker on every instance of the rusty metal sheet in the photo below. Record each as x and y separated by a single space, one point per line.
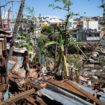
62 85
87 94
70 86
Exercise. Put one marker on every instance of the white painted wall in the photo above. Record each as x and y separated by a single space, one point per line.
72 24
91 24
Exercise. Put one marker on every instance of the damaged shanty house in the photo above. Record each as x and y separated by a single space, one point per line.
39 89
4 37
93 69
34 83
45 92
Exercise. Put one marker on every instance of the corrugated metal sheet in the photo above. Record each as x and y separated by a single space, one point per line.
102 94
60 95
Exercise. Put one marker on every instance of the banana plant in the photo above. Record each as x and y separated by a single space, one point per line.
63 34
64 38
62 58
42 51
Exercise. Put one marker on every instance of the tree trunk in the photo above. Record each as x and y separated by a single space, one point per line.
0 19
9 10
64 63
18 20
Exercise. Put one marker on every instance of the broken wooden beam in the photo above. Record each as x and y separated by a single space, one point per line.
72 87
3 87
30 100
19 96
40 101
67 87
87 94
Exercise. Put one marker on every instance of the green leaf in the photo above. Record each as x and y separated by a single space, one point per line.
27 46
21 37
102 6
50 43
57 7
30 10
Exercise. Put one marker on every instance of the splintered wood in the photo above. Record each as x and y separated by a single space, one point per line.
30 100
69 86
19 96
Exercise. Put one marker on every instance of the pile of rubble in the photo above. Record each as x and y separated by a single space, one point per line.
39 87
93 73
41 90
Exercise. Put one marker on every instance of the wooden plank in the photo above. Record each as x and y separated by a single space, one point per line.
70 86
1 47
30 100
67 87
19 96
40 101
87 94
3 87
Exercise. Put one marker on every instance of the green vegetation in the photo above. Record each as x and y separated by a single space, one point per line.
47 30
25 41
54 41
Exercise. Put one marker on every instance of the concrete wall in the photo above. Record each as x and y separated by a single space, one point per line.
91 24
